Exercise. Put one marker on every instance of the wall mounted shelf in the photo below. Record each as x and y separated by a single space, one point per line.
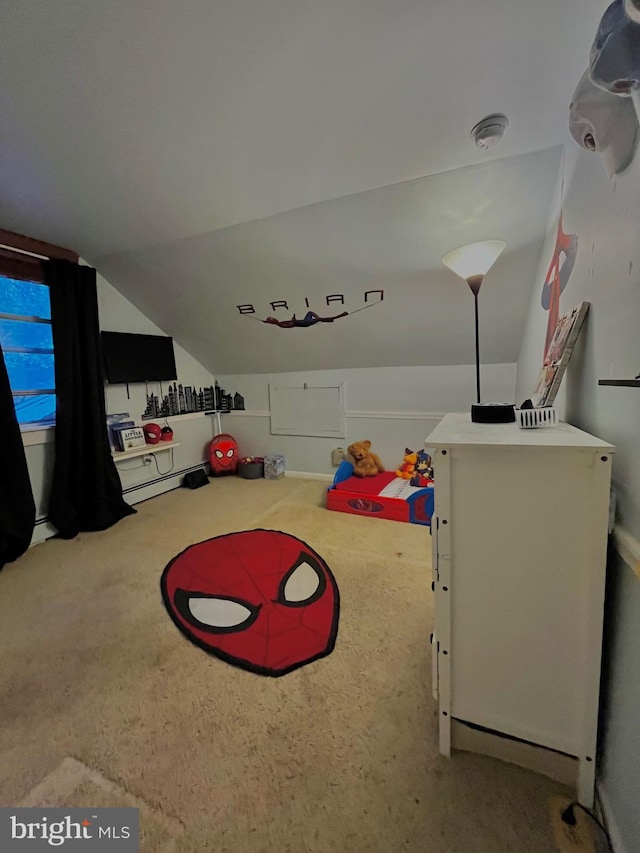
630 383
186 415
144 451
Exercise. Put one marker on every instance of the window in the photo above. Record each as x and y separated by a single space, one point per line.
27 343
25 325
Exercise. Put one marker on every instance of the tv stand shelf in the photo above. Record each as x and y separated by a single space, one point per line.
144 451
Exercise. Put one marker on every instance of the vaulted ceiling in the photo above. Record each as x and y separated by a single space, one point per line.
205 154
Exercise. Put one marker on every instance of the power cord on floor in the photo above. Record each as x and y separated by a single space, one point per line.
569 817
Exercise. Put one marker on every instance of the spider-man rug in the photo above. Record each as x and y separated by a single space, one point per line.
262 600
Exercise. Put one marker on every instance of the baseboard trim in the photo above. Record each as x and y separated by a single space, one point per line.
159 485
610 820
308 475
170 475
134 494
42 531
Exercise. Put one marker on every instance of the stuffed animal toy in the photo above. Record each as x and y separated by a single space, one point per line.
423 474
408 467
365 463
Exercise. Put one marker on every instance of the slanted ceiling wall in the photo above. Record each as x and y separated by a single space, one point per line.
389 239
605 216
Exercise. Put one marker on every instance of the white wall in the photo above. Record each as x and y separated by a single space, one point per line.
139 481
394 407
605 214
194 433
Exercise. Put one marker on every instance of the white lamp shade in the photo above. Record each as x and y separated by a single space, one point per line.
476 259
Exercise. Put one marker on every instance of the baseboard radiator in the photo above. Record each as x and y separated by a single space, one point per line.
133 495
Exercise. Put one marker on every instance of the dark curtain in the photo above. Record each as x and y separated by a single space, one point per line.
86 493
17 508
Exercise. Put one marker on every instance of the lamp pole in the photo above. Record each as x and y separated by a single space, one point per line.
474 283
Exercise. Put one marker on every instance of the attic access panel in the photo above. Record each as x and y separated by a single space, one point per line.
304 409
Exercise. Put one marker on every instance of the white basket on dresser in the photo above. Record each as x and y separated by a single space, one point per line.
533 418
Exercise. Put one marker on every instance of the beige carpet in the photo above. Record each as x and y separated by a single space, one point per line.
101 697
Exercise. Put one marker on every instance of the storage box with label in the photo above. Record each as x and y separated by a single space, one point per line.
273 466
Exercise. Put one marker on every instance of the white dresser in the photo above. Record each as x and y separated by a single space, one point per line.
519 558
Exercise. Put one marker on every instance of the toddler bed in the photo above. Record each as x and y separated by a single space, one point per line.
382 496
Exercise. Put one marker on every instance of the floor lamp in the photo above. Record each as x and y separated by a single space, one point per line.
472 263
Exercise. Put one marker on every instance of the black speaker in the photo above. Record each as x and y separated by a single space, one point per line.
195 479
493 413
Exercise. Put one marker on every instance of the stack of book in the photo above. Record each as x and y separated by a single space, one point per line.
123 433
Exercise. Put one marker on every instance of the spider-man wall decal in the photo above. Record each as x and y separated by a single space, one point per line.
262 600
560 268
310 317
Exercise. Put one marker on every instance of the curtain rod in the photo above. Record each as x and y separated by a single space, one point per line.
24 252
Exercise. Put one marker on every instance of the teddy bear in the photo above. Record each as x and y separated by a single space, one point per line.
365 463
408 467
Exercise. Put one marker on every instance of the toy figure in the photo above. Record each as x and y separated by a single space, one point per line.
408 467
423 474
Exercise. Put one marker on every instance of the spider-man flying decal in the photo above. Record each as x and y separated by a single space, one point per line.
260 599
309 319
560 268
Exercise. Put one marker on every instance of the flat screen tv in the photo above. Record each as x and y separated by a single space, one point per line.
137 358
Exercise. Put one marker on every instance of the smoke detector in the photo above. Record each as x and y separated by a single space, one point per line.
490 130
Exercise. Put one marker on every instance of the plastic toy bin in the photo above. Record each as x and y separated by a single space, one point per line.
273 466
251 470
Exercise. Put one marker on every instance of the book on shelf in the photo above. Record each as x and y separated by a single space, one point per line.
114 422
130 438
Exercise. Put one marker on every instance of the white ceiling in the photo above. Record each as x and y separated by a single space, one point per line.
134 125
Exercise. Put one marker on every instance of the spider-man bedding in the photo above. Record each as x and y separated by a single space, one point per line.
382 496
